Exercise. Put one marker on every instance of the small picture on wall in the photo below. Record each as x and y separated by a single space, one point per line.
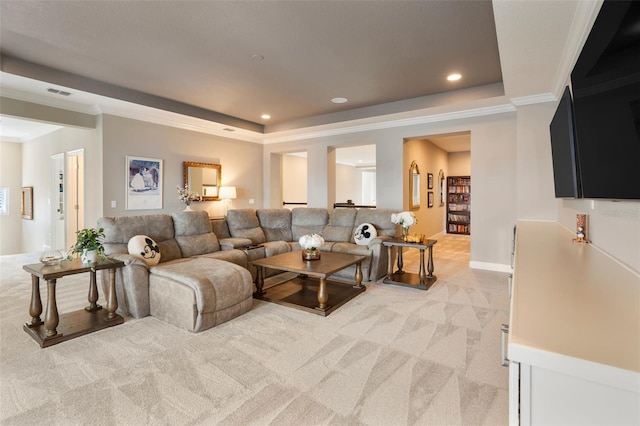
429 180
430 199
144 183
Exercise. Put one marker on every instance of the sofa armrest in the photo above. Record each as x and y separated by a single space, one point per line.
132 285
234 243
380 258
378 240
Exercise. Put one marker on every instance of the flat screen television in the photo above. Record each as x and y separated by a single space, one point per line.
566 175
606 100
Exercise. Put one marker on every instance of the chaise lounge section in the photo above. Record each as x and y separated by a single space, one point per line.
195 286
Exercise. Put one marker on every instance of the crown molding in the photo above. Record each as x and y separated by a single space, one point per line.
381 123
534 99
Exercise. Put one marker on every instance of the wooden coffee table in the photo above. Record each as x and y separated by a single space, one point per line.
310 291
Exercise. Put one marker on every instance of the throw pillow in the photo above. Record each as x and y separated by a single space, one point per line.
145 248
364 233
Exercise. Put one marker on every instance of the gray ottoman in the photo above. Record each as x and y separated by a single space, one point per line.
199 293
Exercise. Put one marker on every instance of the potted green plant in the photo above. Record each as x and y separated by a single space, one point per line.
89 246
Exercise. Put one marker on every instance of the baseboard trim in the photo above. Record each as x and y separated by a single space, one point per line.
497 267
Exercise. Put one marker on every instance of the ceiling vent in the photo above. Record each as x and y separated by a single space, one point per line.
58 92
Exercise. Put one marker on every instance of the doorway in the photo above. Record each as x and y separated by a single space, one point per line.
74 189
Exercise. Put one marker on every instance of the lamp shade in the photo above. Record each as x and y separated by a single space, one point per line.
227 193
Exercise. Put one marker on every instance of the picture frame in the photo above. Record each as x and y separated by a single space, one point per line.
414 186
143 183
26 202
430 199
441 188
429 180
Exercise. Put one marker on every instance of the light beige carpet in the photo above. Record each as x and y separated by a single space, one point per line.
391 356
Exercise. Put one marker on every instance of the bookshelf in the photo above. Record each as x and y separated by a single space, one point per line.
459 205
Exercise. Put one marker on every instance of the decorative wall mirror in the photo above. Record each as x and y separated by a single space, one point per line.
26 203
441 186
414 186
203 178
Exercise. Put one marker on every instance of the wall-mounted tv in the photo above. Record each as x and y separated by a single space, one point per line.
566 175
606 100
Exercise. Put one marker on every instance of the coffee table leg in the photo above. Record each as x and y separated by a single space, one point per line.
358 277
93 293
51 318
421 273
259 281
112 297
35 309
322 294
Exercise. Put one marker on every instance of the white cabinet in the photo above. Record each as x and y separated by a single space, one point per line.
574 338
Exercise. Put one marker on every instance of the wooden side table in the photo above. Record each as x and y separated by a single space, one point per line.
424 279
58 328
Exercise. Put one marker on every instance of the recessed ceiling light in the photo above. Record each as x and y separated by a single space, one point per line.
454 77
265 116
339 100
257 57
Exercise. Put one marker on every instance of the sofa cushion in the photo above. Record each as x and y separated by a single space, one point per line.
143 247
243 223
364 233
340 225
193 233
119 230
276 224
199 293
220 228
308 221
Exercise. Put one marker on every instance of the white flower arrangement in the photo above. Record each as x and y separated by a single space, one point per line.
311 242
404 219
186 195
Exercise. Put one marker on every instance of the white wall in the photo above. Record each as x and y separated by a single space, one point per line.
36 172
348 184
11 177
294 179
241 163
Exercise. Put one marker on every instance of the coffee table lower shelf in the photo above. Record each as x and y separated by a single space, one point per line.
302 293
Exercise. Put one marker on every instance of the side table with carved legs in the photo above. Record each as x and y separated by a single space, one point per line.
57 328
424 279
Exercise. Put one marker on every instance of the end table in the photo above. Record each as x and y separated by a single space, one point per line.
424 279
58 328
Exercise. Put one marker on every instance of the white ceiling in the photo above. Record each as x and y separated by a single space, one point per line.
195 60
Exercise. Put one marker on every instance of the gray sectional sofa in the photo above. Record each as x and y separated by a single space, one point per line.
204 276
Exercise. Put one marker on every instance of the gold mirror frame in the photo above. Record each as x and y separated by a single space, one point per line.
26 203
441 186
203 178
414 186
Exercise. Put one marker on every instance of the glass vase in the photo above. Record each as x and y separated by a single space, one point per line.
405 233
310 254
